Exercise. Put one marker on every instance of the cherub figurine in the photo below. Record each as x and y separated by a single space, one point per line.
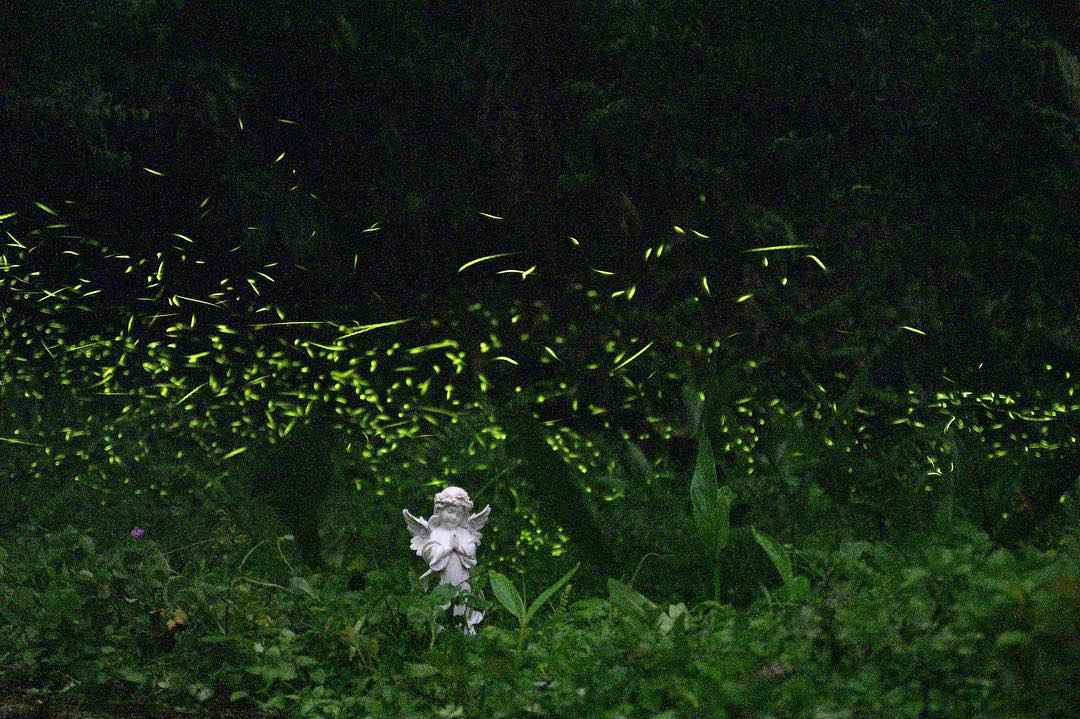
448 542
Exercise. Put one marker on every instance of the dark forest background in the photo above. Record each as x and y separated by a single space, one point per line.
928 149
922 156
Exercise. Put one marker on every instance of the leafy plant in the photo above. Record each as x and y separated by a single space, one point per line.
711 503
795 587
514 603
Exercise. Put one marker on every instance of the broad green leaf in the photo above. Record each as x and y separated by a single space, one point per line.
442 593
508 596
547 593
300 584
798 589
721 526
626 597
711 504
670 619
776 554
704 493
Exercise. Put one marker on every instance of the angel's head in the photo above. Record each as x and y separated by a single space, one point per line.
452 507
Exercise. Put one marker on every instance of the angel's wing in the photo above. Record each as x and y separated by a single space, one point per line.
478 520
418 528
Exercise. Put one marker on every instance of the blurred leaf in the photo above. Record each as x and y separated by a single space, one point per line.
776 554
508 596
1011 638
547 593
300 584
420 671
704 493
797 589
626 597
670 619
711 503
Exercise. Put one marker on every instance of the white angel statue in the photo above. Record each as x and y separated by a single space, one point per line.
448 542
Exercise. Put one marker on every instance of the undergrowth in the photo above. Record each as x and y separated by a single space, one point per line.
946 628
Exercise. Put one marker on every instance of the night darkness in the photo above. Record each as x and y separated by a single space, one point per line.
735 303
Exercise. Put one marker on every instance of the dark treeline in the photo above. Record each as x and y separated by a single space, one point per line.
927 153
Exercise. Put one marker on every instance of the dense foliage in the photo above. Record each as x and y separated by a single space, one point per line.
764 316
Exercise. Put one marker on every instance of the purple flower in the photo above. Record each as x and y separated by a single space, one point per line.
138 533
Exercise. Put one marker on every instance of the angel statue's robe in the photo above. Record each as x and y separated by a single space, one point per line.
451 553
